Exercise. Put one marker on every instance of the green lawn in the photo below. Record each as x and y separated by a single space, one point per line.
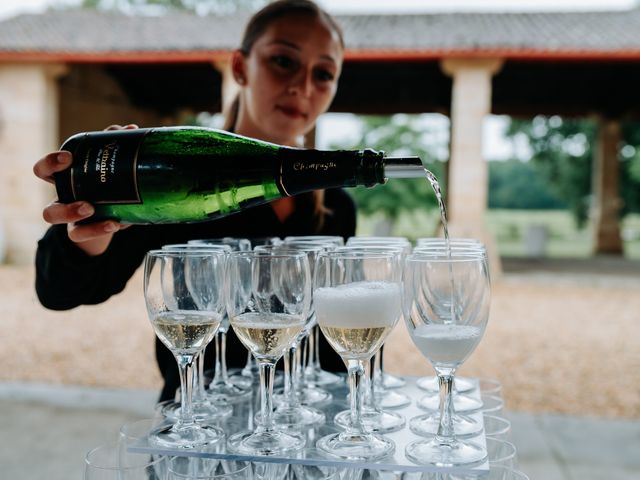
510 228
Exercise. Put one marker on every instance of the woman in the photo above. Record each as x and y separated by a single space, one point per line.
287 69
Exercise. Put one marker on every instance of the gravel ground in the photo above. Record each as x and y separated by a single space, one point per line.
559 342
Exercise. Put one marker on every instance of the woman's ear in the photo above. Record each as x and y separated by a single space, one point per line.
238 67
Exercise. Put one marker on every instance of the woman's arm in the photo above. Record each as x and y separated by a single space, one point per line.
66 276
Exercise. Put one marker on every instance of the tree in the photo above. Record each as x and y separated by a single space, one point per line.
563 153
514 184
400 135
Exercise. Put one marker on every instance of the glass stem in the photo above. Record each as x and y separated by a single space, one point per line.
248 366
377 370
445 429
297 367
223 356
185 366
311 356
267 371
316 349
355 370
370 398
198 376
217 374
290 398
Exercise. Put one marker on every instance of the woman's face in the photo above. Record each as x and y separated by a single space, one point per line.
288 79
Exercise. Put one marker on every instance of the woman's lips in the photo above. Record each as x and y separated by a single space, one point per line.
291 112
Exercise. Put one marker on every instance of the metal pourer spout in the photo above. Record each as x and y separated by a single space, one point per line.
403 167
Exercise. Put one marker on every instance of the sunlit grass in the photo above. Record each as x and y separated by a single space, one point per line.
511 228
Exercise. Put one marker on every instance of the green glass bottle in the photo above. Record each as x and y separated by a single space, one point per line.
193 174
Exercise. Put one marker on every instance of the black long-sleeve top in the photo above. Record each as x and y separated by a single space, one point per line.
66 277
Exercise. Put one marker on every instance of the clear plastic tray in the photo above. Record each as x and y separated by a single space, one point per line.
242 419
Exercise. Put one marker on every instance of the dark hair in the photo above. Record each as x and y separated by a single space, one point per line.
261 20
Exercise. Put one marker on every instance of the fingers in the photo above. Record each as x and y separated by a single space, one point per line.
50 164
56 213
92 231
129 126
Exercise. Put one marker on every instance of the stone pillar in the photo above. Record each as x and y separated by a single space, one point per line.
607 202
29 129
468 180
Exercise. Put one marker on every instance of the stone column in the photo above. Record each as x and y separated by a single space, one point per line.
28 130
468 180
607 202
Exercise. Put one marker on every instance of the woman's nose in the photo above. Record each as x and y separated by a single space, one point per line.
302 83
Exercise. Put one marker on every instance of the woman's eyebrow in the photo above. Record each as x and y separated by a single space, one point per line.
285 43
289 44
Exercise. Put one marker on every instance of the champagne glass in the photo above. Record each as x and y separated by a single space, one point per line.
446 310
463 403
374 417
357 296
183 294
308 389
289 411
107 462
134 433
250 370
313 374
202 407
221 386
385 382
267 296
197 468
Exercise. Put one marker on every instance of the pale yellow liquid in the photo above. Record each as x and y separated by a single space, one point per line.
267 336
186 333
355 343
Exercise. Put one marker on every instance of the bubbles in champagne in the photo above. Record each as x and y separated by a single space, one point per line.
358 304
267 335
446 344
185 332
357 317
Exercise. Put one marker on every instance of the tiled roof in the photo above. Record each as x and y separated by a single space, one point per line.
86 32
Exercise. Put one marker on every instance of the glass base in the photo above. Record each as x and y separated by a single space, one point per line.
227 392
364 446
427 425
317 376
265 443
461 403
392 400
430 384
391 381
308 396
202 411
251 371
194 435
242 381
441 454
377 421
288 417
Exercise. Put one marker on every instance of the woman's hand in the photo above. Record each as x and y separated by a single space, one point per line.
92 238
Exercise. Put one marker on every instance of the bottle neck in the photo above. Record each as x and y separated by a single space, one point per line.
303 170
403 167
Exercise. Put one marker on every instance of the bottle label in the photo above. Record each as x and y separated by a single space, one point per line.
305 170
105 167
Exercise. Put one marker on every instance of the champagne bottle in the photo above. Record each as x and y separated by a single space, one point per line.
193 174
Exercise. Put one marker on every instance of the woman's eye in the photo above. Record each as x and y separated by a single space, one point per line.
324 75
282 61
